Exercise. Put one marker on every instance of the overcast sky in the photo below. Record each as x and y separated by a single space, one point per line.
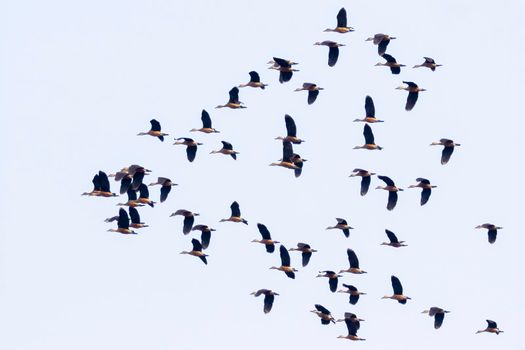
81 79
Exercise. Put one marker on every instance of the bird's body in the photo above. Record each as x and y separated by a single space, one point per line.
438 314
287 160
101 187
429 63
291 131
122 223
342 25
284 67
191 146
398 291
492 327
285 263
354 263
426 187
342 224
132 199
370 112
354 293
235 214
205 234
369 140
206 124
492 231
306 252
394 242
391 62
166 185
266 238
448 149
392 191
269 297
324 314
155 130
365 179
189 219
382 41
353 324
332 279
313 91
197 251
144 196
413 93
255 81
333 50
233 102
226 149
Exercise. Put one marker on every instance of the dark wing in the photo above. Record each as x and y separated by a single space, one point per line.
285 76
425 195
445 155
234 95
369 136
287 151
434 310
290 274
396 285
322 309
188 224
350 287
341 18
137 179
285 256
369 107
365 184
492 324
191 152
391 236
354 299
134 215
333 284
352 327
388 181
395 70
206 120
389 58
268 302
392 200
312 96
164 191
352 258
438 319
429 60
103 181
143 191
132 194
341 221
492 236
333 55
236 211
282 62
203 258
423 180
254 77
306 258
197 246
125 183
205 239
291 129
411 100
270 248
155 125
381 48
96 183
410 84
346 232
227 145
123 219
264 231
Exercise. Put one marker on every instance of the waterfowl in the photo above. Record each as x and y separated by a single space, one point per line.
429 63
130 176
233 102
354 263
166 185
298 162
492 327
227 149
286 161
236 214
342 26
332 279
191 146
382 40
370 112
206 124
391 62
132 199
413 93
369 140
291 131
313 91
122 223
134 216
333 52
197 251
255 81
306 252
281 62
398 291
427 189
266 239
205 234
137 172
365 179
447 150
285 263
284 67
95 192
189 219
354 293
342 225
353 324
154 131
324 314
101 186
392 191
144 196
269 297
438 314
394 242
492 231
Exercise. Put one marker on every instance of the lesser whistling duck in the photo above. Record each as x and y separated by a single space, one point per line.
492 231
382 40
205 234
154 131
324 314
369 140
132 199
233 102
189 219
391 62
285 263
447 150
236 214
427 189
392 191
313 91
438 314
197 251
144 196
134 216
269 297
227 149
284 67
130 176
352 324
342 224
394 242
191 146
286 161
492 327
291 131
306 252
354 293
122 223
101 187
429 63
370 112
398 291
266 238
365 179
298 162
206 124
413 93
354 263
332 279
255 81
333 51
342 26
166 185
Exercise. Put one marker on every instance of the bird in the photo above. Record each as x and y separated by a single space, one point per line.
166 185
285 263
342 26
298 162
132 199
206 124
313 91
130 176
236 214
353 324
382 40
438 314
306 252
492 327
427 189
291 131
413 93
324 314
266 239
398 291
429 63
137 172
269 297
354 263
197 251
189 219
369 140
122 223
366 176
205 234
394 242
447 150
333 52
144 196
332 279
370 112
154 131
233 102
255 81
227 149
191 146
101 187
391 62
286 161
284 67
354 293
392 191
134 217
342 224
492 231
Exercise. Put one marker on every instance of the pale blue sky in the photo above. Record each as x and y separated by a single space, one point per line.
81 79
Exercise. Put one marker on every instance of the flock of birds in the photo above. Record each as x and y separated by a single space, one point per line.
131 183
